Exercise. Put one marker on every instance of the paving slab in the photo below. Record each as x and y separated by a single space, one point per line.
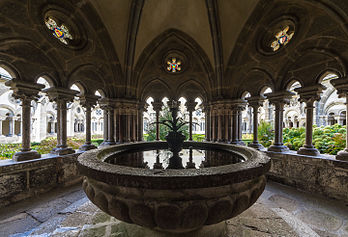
280 211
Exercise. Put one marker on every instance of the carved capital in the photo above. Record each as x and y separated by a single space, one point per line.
25 91
280 98
59 94
88 101
341 85
310 94
256 101
157 106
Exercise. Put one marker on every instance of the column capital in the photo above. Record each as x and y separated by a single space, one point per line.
157 105
238 104
60 94
24 90
341 85
107 103
280 97
190 106
310 94
256 101
88 100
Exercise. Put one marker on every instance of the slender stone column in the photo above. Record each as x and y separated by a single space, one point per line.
219 124
105 125
111 139
141 108
207 123
190 106
107 105
1 127
213 123
341 85
157 107
234 126
26 92
240 123
309 95
88 102
61 96
255 103
134 125
279 99
226 119
238 105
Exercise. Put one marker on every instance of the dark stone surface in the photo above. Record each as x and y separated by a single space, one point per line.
21 180
255 165
175 200
40 178
11 184
311 173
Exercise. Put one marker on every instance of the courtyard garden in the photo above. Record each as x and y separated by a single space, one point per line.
45 146
327 139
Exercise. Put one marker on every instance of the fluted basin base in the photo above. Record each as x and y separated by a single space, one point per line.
174 202
217 230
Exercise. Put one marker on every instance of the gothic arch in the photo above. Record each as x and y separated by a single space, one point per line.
195 61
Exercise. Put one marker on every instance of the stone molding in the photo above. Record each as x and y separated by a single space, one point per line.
57 94
24 90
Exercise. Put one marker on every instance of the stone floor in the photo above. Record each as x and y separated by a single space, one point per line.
280 211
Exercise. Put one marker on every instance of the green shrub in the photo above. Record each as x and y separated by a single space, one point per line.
265 133
198 137
328 140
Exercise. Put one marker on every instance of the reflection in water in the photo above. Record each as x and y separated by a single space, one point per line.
160 159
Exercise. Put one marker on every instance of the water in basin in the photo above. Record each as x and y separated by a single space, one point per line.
190 158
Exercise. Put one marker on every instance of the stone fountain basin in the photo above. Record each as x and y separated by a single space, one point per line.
176 201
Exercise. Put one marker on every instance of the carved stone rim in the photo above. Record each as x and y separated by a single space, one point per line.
91 165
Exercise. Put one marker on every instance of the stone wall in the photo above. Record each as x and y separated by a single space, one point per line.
21 180
322 175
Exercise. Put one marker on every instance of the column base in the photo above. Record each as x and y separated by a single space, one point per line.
257 146
241 143
278 148
25 155
308 151
107 143
62 151
158 166
342 155
86 147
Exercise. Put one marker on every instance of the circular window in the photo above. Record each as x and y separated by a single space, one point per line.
174 62
277 36
58 30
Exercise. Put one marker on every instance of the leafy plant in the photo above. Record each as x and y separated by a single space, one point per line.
265 133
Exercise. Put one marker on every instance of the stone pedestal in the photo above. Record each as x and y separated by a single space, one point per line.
342 155
25 155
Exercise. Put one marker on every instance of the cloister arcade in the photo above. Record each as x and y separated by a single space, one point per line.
109 68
